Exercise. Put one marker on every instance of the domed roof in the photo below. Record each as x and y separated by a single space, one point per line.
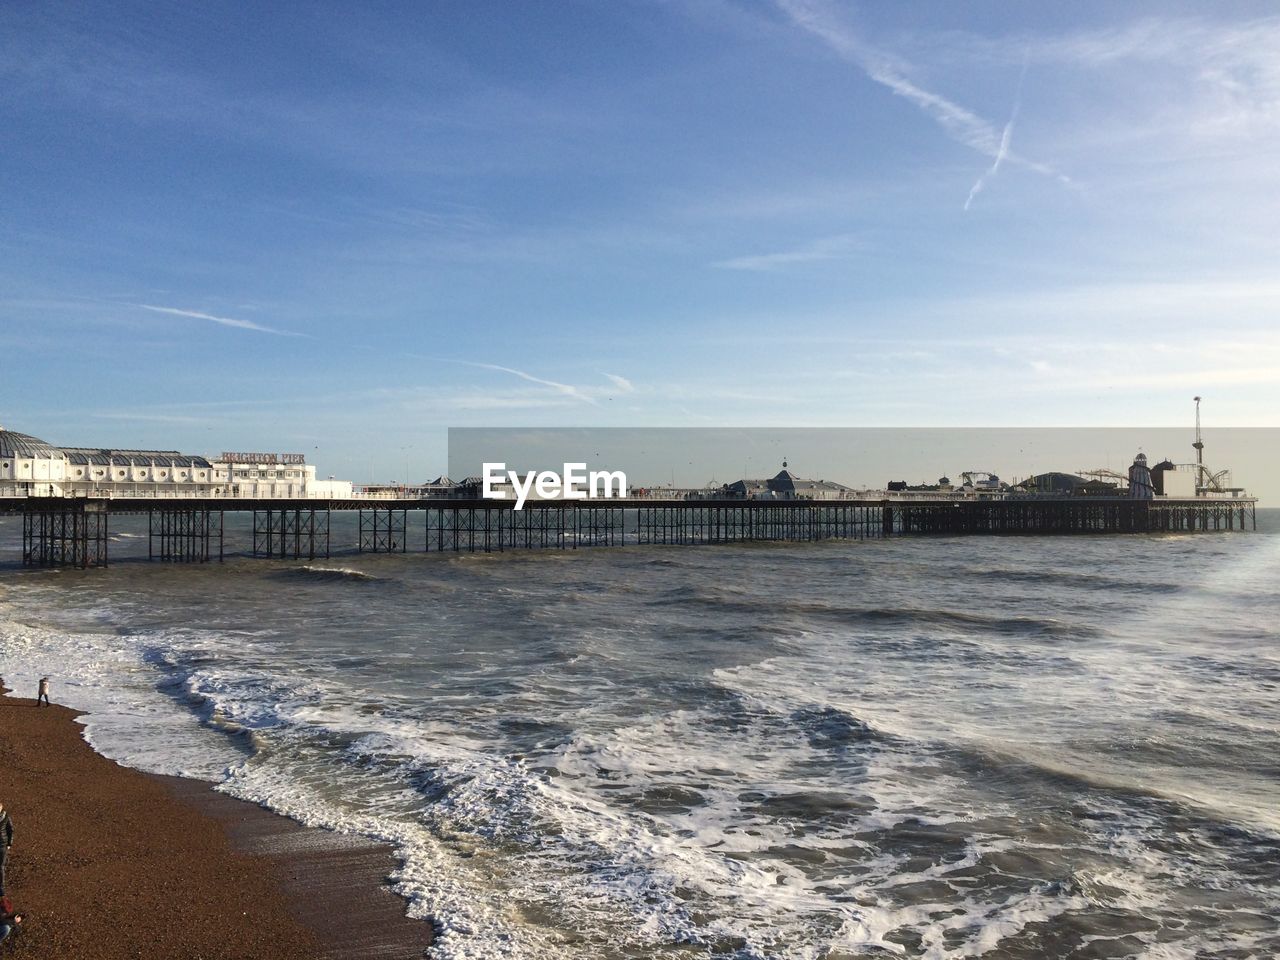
14 444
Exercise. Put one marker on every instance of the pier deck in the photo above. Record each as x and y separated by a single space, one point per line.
73 532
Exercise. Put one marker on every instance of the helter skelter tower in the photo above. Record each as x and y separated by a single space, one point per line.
1140 485
1199 445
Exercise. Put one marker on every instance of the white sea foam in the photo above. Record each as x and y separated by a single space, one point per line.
336 573
130 717
130 720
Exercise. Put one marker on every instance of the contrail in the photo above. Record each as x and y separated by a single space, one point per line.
565 389
961 123
995 167
1003 150
224 321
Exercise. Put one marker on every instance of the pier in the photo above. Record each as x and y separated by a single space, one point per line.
73 532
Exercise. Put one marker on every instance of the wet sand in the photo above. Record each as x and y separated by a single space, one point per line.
112 863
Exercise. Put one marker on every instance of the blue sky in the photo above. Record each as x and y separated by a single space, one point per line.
342 228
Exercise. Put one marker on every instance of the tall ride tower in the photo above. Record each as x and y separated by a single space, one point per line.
1199 445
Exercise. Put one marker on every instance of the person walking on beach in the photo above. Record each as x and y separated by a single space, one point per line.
6 841
44 692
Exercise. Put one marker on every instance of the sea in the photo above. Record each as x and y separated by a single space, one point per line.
932 747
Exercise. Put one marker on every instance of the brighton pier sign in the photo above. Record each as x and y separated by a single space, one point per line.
291 458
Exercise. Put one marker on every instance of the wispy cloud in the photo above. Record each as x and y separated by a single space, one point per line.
1194 40
961 123
1185 79
147 417
224 321
827 248
1233 68
622 383
520 401
447 401
564 389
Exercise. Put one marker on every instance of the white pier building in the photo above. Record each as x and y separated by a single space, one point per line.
30 467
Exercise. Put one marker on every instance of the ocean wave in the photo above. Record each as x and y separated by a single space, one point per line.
329 574
1073 578
739 600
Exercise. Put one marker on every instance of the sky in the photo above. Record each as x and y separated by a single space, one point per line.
342 229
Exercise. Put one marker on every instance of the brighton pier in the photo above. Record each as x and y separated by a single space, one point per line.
67 496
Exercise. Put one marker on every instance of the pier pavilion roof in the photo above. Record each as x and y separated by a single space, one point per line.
123 458
14 444
786 484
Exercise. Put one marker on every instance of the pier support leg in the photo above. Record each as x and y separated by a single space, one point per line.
64 533
291 533
383 530
184 534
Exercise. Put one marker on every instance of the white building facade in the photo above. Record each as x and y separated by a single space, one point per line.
30 467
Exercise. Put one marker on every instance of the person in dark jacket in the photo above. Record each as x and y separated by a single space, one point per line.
9 918
6 841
